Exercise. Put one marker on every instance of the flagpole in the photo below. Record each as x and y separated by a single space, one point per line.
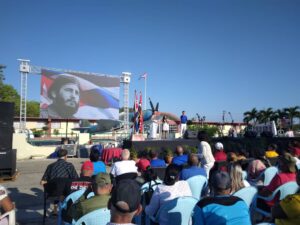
145 102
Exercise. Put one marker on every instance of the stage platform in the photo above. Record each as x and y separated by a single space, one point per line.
159 145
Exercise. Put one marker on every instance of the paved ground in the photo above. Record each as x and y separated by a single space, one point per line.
27 193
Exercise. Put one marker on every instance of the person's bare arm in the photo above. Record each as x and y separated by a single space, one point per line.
7 204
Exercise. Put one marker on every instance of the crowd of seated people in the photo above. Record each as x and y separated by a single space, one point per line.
120 189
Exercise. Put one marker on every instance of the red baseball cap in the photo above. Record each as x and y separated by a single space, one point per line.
88 165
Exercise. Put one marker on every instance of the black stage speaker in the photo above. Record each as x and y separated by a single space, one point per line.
6 114
6 134
8 161
190 134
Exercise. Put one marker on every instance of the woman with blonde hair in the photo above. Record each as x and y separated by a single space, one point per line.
236 175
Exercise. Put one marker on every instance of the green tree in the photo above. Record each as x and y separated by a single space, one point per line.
250 116
264 116
292 112
33 109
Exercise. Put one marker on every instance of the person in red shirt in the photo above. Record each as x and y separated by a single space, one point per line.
220 155
287 173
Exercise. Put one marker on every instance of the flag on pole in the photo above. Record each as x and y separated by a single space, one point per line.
141 119
143 76
135 111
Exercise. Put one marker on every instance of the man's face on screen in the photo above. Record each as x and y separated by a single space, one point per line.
67 99
69 93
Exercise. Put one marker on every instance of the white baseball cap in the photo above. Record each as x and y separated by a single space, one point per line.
219 146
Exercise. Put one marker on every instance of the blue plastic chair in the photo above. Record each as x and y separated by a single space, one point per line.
97 217
145 187
284 190
197 184
73 197
265 224
247 194
267 175
176 212
298 166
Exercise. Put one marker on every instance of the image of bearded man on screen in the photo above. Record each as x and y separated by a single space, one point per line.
65 95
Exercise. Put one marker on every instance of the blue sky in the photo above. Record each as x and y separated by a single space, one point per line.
201 56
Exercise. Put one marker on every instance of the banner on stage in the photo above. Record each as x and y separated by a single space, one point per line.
79 96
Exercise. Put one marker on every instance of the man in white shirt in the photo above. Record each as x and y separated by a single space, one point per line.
124 166
204 152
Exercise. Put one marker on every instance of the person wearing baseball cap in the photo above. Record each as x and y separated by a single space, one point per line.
219 154
124 203
102 187
84 181
221 206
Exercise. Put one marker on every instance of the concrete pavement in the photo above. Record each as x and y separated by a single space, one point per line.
27 193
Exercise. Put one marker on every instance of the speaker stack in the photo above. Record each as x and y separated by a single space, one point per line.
7 154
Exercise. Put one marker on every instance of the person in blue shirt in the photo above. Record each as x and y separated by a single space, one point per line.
222 208
193 169
155 161
181 158
183 122
99 166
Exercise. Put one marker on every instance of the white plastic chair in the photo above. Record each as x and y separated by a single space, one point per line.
10 216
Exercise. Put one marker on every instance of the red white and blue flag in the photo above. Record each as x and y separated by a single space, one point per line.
143 76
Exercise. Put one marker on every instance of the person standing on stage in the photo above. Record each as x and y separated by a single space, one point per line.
165 128
183 122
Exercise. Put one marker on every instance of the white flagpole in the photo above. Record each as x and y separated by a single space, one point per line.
145 99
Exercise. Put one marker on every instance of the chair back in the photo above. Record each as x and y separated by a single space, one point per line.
96 217
10 216
298 166
177 211
73 196
247 194
269 174
286 189
244 174
63 206
197 184
145 187
160 171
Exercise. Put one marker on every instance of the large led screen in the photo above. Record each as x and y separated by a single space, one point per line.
79 96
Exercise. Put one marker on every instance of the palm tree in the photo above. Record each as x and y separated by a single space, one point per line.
264 116
278 115
250 116
292 112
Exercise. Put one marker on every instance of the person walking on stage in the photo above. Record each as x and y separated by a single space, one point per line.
183 122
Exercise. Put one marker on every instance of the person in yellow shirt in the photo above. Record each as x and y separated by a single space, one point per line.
271 151
287 212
